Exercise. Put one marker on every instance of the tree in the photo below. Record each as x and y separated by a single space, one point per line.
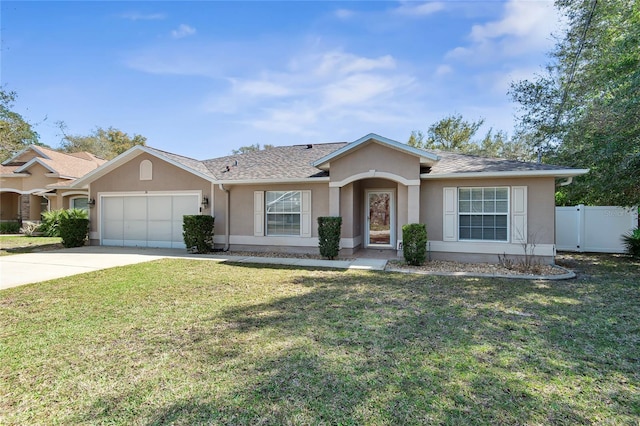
452 133
103 143
250 148
584 109
15 132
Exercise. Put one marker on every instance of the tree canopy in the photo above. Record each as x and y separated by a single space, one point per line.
454 133
250 148
584 110
104 143
15 132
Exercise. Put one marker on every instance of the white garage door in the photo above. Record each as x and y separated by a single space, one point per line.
146 220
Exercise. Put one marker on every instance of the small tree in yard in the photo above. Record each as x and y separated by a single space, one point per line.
329 228
414 243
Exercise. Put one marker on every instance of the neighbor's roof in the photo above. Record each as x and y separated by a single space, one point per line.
69 166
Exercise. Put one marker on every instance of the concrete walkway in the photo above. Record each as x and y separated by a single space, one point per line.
19 269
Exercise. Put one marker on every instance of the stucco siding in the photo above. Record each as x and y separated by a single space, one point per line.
242 200
374 156
540 202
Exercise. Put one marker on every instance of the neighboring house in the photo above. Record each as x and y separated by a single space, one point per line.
38 179
474 208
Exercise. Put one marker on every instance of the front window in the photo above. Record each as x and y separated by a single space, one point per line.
81 203
284 210
483 213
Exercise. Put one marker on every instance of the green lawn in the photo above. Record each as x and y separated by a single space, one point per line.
194 342
14 244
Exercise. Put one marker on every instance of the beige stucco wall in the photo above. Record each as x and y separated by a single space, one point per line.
9 205
373 156
540 203
241 205
166 178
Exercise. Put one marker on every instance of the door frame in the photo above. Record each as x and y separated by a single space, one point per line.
392 218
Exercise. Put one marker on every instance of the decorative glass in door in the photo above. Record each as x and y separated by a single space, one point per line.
379 218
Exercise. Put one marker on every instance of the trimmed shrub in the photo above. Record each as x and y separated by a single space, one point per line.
51 220
73 231
329 229
414 243
9 227
197 231
631 243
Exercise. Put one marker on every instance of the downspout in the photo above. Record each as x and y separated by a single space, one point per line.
566 182
226 216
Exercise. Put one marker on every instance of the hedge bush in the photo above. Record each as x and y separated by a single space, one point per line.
631 243
329 229
73 231
197 231
414 243
51 220
9 227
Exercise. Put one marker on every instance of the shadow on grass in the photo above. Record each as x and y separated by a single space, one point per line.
381 348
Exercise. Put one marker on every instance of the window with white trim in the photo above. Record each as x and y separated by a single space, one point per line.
483 214
81 203
283 212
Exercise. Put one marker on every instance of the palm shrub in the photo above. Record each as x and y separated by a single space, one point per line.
197 231
414 243
329 229
50 223
631 243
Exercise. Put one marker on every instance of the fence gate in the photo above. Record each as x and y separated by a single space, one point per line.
594 229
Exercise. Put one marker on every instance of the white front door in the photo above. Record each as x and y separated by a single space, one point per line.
380 219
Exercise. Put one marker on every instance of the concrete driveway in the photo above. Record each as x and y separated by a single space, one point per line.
19 269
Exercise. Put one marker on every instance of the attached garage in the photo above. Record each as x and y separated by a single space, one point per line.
145 220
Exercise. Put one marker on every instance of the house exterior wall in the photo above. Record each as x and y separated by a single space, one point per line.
9 206
126 179
374 156
540 215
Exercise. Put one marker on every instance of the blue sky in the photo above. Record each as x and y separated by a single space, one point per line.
202 78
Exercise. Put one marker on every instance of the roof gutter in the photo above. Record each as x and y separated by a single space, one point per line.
560 173
226 217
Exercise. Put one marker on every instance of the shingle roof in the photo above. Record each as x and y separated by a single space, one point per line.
68 165
283 162
461 163
185 161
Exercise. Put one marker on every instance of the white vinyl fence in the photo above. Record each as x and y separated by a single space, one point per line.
594 229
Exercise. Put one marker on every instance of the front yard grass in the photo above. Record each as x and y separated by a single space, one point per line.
195 342
14 244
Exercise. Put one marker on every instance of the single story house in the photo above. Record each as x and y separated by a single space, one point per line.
474 208
37 179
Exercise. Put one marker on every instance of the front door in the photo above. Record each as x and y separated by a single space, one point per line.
380 218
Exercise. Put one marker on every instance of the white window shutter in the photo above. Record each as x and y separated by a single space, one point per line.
305 216
519 214
258 213
450 214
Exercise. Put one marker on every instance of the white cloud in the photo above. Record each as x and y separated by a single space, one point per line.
183 31
136 16
443 70
418 9
344 13
524 28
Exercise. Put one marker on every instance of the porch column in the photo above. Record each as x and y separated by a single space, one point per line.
413 204
25 207
334 201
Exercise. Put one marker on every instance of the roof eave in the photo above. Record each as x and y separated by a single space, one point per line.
128 155
560 173
273 181
425 157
